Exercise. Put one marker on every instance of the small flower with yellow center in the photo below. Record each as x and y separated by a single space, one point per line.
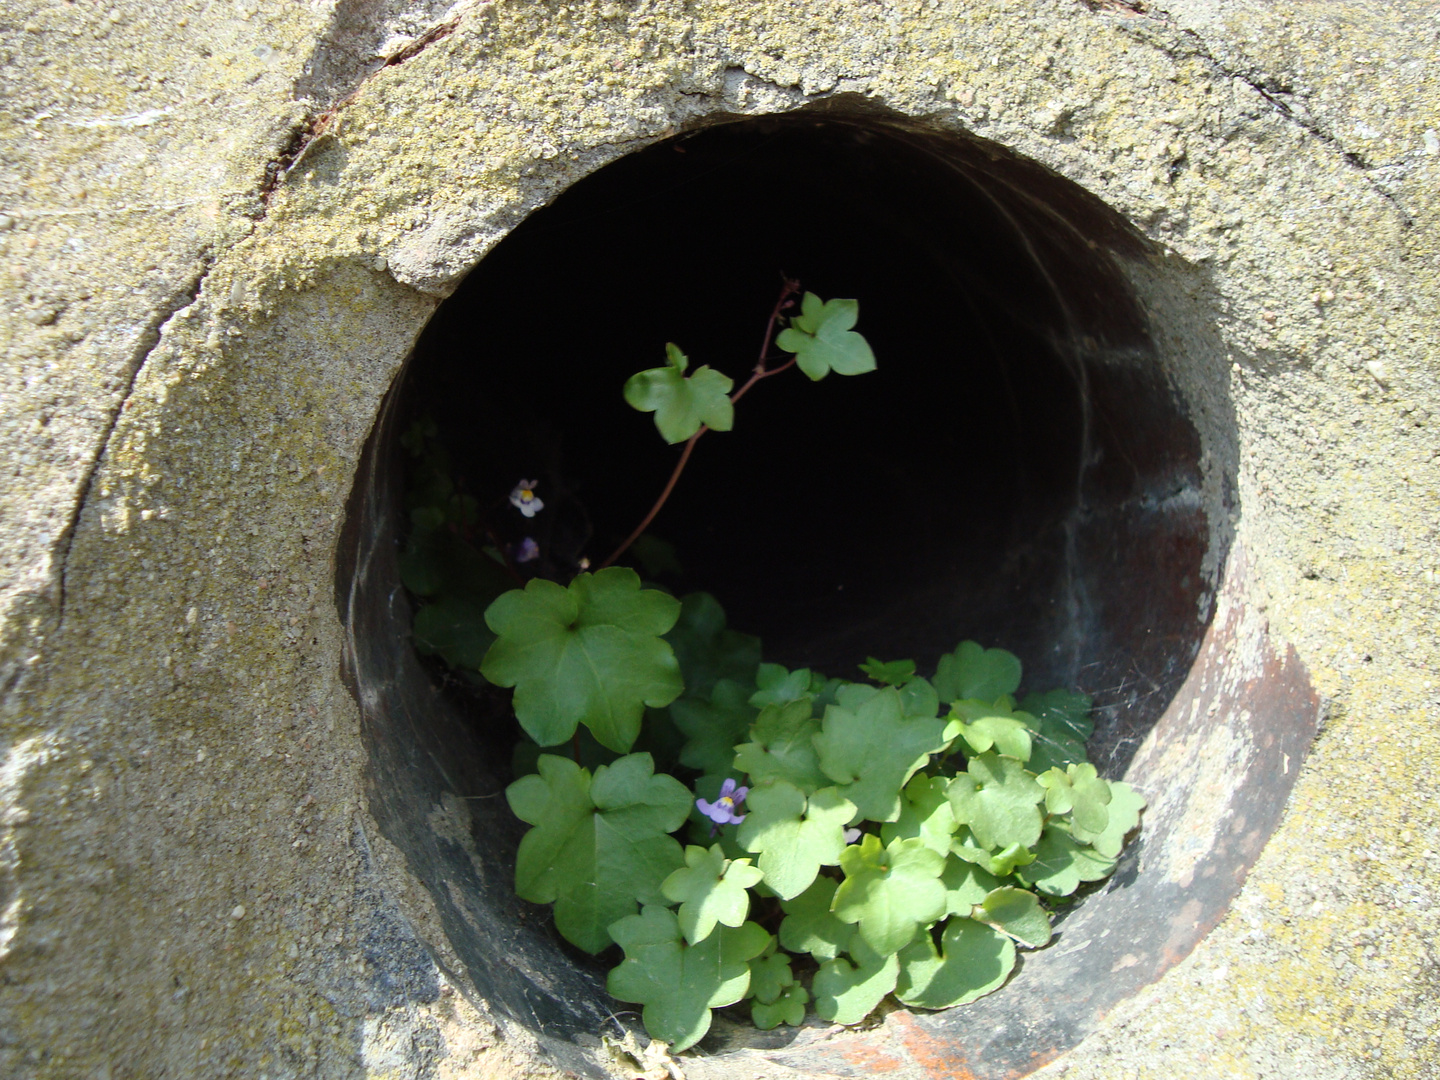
524 499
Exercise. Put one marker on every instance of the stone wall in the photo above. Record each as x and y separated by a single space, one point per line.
224 226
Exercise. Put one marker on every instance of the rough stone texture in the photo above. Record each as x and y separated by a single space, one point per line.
189 883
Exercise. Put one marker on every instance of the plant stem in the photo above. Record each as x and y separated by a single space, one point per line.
787 290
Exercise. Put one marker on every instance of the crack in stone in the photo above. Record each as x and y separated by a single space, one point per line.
150 337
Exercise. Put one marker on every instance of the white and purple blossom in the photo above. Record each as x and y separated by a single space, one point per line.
527 550
722 810
524 499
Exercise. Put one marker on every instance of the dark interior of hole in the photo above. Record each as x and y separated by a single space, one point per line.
1018 469
890 514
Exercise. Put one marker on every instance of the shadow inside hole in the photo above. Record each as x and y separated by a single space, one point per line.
1018 470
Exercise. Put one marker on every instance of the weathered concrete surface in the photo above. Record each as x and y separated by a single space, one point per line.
188 882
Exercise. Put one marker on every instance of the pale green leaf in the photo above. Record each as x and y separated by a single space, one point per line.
1016 912
972 671
999 800
974 959
1004 734
846 992
710 888
890 892
925 813
1062 864
1081 793
889 673
1124 809
782 747
794 836
966 885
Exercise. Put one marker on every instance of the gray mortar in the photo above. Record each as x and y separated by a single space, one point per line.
190 884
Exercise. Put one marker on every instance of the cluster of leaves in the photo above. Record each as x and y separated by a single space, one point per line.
898 835
850 840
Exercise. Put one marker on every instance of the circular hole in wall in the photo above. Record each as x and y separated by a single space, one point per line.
1019 470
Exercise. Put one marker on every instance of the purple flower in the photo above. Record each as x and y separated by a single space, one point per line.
722 810
523 498
527 550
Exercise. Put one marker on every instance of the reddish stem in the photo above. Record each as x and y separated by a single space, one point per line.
787 290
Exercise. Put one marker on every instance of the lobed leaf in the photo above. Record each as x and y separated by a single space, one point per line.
811 927
1005 734
1016 912
972 671
710 889
788 1008
682 404
846 992
966 884
713 728
770 975
1062 863
778 686
889 673
925 813
588 654
707 651
890 892
1124 809
822 339
1081 793
600 844
872 751
678 984
794 836
999 800
782 747
973 960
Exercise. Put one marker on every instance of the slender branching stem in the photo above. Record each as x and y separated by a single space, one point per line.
761 371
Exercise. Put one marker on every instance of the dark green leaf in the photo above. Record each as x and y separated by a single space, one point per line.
822 339
682 404
770 975
454 629
588 654
707 651
782 747
778 686
892 673
713 728
810 926
599 845
973 960
677 983
1067 709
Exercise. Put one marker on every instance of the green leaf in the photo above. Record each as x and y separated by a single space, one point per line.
1061 863
966 885
1005 734
454 629
871 752
999 800
677 983
811 927
1016 912
682 404
599 845
788 1008
1067 709
925 813
782 747
975 672
1125 806
891 673
822 339
707 651
710 888
1081 793
974 959
919 698
890 892
778 686
588 654
713 728
794 837
770 975
845 993
1052 745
